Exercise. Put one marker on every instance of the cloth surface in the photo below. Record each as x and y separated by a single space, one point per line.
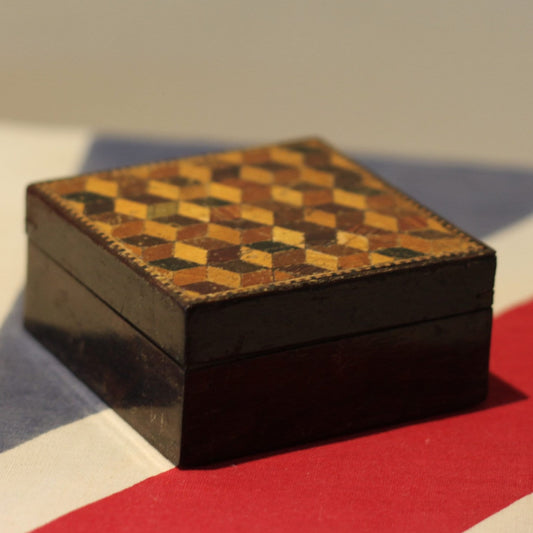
62 449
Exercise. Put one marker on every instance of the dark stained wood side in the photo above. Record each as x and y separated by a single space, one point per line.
140 382
336 388
261 403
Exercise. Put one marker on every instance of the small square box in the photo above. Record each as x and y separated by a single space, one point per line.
252 300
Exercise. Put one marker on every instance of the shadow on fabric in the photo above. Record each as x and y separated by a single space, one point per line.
37 393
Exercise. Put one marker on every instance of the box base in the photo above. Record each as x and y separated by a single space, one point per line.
263 402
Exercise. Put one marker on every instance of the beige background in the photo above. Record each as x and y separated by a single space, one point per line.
446 79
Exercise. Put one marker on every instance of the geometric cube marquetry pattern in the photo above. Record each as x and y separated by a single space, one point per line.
257 217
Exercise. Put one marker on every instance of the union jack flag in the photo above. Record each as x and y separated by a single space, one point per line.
69 463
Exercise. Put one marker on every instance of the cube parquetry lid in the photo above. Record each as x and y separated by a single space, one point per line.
208 232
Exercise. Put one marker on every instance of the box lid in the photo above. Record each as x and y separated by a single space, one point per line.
226 255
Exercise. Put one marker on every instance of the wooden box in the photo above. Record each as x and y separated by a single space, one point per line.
246 301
